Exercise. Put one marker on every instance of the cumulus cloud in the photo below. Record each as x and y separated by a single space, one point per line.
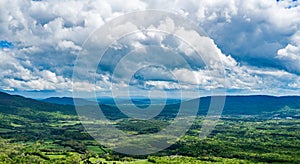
21 75
251 31
257 41
290 55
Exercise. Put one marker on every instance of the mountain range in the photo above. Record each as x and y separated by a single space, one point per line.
233 104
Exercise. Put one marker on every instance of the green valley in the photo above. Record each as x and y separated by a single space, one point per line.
37 132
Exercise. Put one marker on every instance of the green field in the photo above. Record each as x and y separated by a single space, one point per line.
236 139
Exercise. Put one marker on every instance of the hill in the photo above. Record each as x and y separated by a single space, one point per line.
66 101
256 104
234 105
13 103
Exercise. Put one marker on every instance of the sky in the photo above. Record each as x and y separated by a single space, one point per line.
258 42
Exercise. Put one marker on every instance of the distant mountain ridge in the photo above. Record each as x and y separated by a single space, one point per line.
248 104
253 104
67 101
109 101
233 105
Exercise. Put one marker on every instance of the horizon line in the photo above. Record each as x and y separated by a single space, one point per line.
103 96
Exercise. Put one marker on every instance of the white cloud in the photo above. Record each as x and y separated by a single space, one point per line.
68 45
21 75
290 55
260 42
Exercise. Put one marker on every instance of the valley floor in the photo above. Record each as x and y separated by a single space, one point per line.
54 137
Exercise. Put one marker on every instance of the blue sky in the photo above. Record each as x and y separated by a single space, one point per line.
6 44
258 40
